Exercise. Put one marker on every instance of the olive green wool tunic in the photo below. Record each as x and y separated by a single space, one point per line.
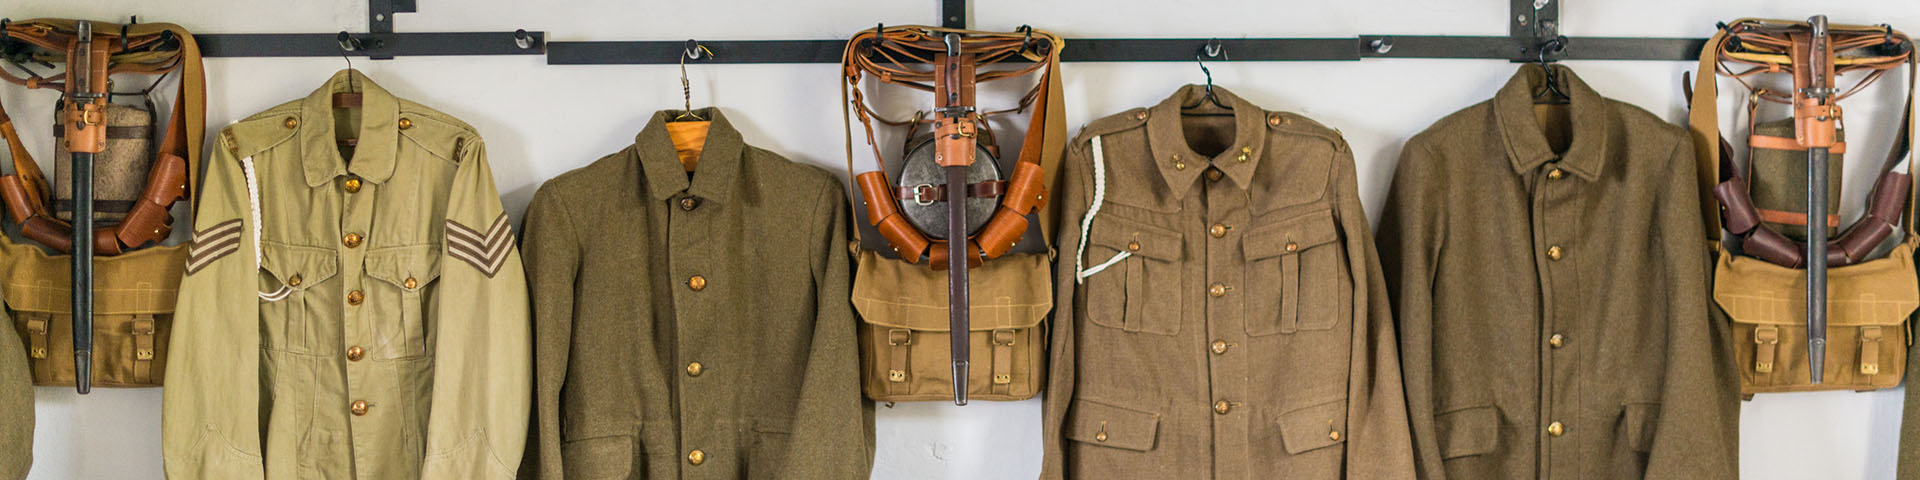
1551 295
695 328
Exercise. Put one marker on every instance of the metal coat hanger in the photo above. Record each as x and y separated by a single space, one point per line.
1212 49
692 51
350 99
1552 94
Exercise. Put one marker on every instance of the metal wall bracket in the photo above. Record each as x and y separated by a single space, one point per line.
372 45
953 13
380 25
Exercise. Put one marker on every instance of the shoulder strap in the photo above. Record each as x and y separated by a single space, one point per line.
1703 118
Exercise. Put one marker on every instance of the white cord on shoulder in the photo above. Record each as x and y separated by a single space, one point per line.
1086 223
253 204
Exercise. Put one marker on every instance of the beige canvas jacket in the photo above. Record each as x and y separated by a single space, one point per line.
349 317
1243 332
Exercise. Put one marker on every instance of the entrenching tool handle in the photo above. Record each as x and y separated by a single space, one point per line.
86 136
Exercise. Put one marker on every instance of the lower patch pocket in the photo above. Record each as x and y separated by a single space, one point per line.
1468 432
606 457
1100 424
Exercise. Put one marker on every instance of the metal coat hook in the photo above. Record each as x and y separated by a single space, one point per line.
522 39
693 51
1381 45
347 42
1212 49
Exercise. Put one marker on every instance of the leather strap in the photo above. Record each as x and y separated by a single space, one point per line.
929 194
141 51
1768 339
1783 143
900 341
143 348
1003 339
1870 350
1792 218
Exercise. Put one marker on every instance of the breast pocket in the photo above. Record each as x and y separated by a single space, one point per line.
401 298
1137 285
1297 276
287 274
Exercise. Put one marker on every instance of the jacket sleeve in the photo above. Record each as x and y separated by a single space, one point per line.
1073 201
553 261
1697 434
16 403
834 422
1379 444
210 414
482 377
1412 229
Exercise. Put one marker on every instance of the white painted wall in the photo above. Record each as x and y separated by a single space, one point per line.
542 120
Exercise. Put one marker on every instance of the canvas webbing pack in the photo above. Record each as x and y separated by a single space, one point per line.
948 208
1807 313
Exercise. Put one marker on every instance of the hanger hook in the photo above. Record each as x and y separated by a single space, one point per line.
347 44
1026 40
1213 48
522 39
1205 71
1552 46
693 49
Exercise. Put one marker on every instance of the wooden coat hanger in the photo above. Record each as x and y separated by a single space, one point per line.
688 130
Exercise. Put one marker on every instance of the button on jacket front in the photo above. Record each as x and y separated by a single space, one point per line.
703 339
1232 323
1551 295
349 312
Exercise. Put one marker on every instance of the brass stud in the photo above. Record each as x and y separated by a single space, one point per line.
1275 120
1218 230
896 375
1133 246
143 354
351 240
1869 369
1333 435
291 122
1213 174
38 353
405 123
1100 437
1179 165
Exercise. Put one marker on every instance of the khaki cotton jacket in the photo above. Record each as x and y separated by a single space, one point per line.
694 328
1245 333
1552 306
16 405
377 328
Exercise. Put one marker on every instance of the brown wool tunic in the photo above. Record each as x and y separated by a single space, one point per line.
1552 302
16 405
694 329
1245 333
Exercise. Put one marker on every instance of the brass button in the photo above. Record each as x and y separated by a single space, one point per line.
1214 175
1218 230
1133 246
405 123
355 297
1217 290
351 240
1179 165
1556 340
353 185
1219 347
1222 407
1292 247
354 354
1275 120
410 283
294 281
1242 158
696 457
360 407
1142 115
1556 429
1333 435
1100 437
694 369
292 122
1554 252
697 283
1555 174
689 203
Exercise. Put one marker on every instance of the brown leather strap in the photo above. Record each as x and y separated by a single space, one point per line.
1783 143
1793 218
928 194
1002 361
1870 350
899 342
36 335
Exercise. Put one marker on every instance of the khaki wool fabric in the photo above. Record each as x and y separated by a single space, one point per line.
1247 333
383 332
1552 306
16 405
694 328
1910 426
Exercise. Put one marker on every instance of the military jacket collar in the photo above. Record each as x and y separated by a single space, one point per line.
379 131
1525 143
719 161
1179 165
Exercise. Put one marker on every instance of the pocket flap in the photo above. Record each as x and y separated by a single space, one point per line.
283 262
1314 427
1110 426
142 282
1124 235
1641 419
397 265
1013 291
1468 431
605 457
1303 232
1878 292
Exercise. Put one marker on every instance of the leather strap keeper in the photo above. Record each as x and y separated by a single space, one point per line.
1870 350
1768 338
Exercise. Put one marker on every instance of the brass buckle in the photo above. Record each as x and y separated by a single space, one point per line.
899 336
